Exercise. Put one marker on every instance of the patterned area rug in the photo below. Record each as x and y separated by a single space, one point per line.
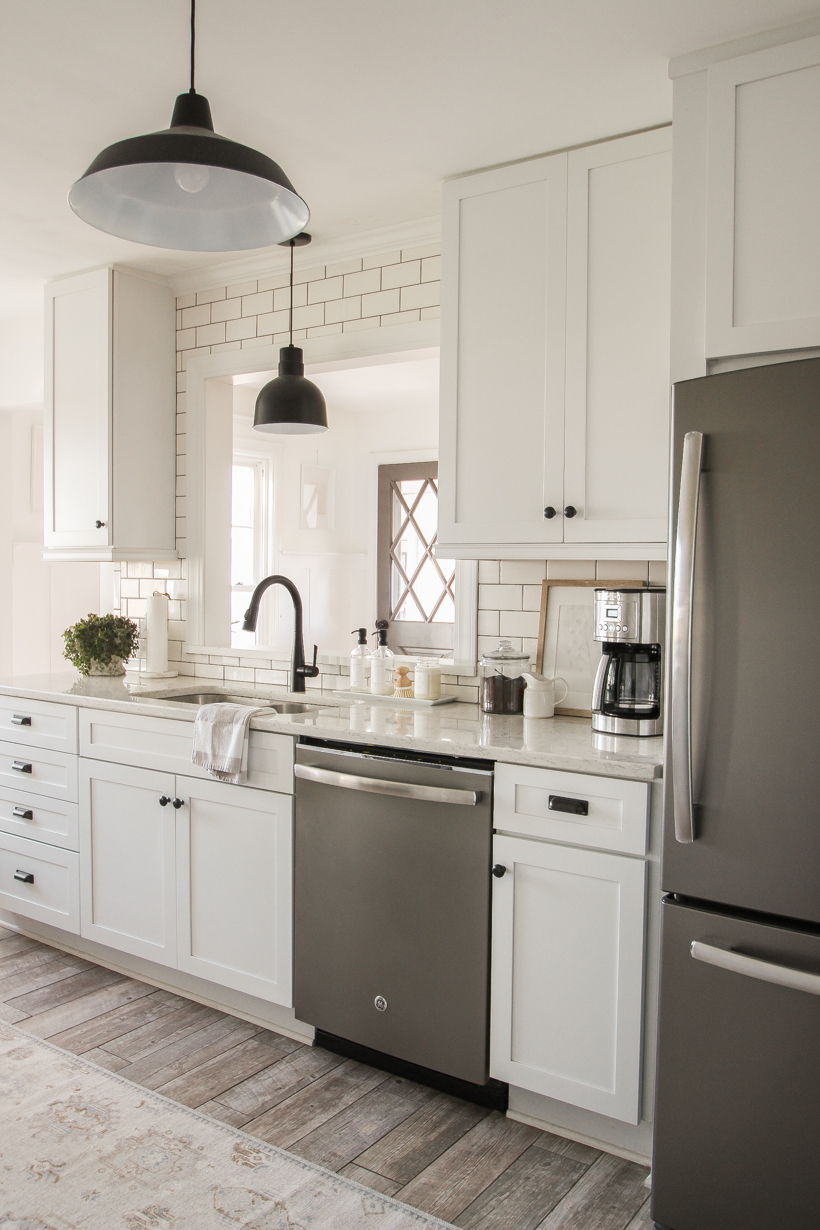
84 1149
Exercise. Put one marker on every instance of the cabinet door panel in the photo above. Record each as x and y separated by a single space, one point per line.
77 414
567 982
234 875
763 184
127 860
619 217
502 354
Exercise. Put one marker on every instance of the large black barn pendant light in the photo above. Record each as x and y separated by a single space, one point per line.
189 188
290 404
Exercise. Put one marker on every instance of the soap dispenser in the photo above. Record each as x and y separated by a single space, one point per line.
381 663
359 657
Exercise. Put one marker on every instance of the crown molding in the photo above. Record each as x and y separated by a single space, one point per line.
697 61
272 261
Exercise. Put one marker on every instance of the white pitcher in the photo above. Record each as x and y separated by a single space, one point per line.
539 696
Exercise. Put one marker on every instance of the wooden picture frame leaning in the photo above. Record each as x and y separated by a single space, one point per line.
567 646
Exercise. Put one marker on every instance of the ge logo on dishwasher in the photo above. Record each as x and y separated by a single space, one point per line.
380 1003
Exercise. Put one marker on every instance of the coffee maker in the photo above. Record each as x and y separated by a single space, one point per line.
627 698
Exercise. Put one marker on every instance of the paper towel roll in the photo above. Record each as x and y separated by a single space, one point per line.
156 654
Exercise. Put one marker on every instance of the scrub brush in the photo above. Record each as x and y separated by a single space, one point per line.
403 685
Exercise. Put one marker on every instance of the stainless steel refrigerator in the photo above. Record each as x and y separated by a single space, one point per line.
737 1121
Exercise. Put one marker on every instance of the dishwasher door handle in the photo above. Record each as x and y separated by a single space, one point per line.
377 785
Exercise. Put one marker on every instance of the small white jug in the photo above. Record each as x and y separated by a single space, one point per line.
539 696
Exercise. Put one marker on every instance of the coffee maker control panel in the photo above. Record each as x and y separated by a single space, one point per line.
634 616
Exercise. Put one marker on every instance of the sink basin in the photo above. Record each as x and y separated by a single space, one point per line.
229 698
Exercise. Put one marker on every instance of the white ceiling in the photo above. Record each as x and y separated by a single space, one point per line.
411 386
367 105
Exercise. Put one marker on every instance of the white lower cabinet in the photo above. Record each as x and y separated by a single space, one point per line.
234 887
568 972
40 881
127 875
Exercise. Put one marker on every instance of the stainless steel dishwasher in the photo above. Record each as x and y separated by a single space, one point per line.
392 904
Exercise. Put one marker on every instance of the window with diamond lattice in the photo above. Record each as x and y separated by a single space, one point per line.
416 590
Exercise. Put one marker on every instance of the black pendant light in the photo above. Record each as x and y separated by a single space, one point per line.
291 405
189 188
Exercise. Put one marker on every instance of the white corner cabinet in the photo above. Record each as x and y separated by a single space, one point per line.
746 246
554 414
569 938
110 418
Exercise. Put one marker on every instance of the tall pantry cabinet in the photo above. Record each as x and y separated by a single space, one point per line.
554 409
110 417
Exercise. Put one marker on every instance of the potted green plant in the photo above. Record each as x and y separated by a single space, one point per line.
101 644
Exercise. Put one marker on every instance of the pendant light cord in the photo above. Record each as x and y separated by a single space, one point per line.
193 42
290 314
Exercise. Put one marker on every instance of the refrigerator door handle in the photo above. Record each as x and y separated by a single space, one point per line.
753 967
682 602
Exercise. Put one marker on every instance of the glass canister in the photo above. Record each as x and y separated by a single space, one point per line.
502 679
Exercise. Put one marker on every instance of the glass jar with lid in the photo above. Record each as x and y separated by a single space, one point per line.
502 684
427 684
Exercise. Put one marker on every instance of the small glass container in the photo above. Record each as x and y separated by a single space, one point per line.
427 679
502 679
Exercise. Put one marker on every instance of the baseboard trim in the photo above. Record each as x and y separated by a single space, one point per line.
628 1154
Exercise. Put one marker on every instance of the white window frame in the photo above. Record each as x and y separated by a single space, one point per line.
209 401
262 535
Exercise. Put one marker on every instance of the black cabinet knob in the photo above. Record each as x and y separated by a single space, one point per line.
177 803
99 524
164 800
569 511
499 870
549 512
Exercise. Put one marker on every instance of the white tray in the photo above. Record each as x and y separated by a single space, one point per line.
397 702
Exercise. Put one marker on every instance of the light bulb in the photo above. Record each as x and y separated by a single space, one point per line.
190 176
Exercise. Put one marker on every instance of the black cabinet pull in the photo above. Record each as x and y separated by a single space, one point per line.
164 800
18 719
569 511
25 877
21 766
23 813
575 807
99 524
499 870
549 512
177 803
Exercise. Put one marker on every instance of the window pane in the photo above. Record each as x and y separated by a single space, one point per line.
241 556
242 495
418 590
239 604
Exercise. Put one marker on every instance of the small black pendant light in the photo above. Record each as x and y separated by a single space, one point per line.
188 188
290 405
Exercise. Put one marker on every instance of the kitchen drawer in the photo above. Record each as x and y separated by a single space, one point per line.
530 803
166 744
37 723
38 771
52 895
41 819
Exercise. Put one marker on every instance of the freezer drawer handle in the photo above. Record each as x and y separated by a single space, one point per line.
19 719
682 602
376 785
25 877
22 766
23 813
753 967
575 807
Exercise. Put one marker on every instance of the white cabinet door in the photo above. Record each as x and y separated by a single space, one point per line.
763 242
77 422
619 219
234 877
127 877
502 354
567 974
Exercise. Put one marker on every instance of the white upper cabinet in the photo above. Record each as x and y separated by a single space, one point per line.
110 418
763 190
555 355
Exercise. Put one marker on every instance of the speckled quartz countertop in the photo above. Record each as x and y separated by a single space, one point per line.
456 729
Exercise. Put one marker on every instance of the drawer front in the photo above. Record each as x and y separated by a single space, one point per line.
40 881
575 808
37 723
41 819
38 772
166 744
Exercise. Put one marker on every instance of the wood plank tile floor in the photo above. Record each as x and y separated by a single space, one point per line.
467 1165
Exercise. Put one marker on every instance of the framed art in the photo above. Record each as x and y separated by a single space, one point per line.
566 646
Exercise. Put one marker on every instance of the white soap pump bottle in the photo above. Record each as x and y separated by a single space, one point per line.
359 658
381 663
